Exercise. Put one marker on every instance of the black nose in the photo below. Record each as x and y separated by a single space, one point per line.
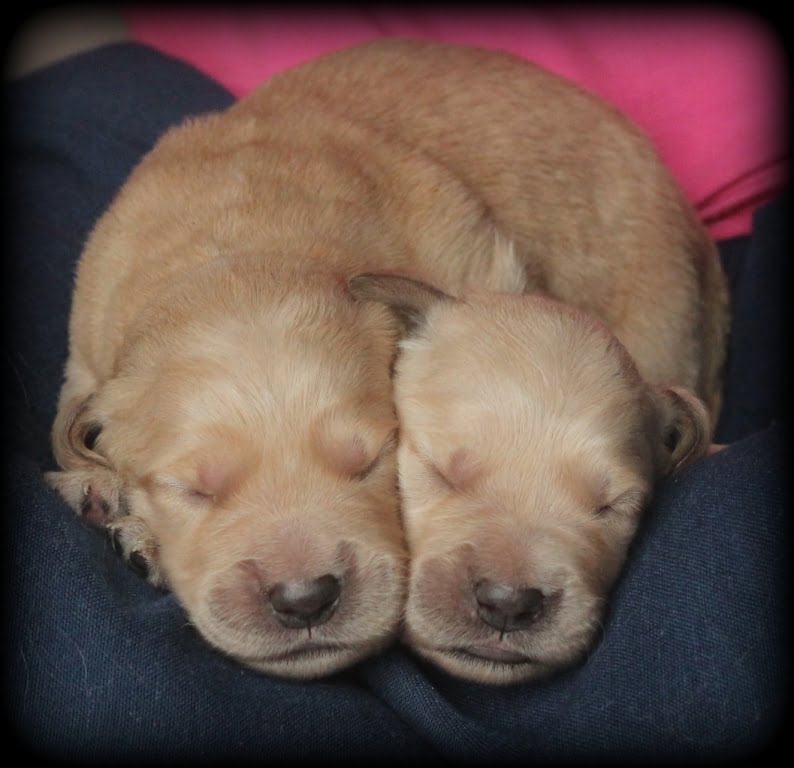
507 608
305 604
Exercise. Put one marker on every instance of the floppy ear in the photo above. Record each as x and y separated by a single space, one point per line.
409 299
94 490
685 427
75 433
88 484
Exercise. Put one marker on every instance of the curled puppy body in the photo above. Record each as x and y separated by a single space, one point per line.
228 404
529 447
248 456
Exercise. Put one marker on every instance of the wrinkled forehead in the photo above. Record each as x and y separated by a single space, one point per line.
517 369
260 376
273 386
521 338
204 417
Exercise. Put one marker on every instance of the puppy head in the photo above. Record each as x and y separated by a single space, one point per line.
529 446
251 440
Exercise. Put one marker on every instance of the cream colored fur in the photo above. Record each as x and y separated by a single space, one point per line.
228 407
530 446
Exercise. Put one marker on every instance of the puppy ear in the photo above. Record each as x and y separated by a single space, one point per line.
408 299
88 484
74 435
685 427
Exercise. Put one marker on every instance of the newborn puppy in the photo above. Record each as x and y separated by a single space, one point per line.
228 411
530 444
243 451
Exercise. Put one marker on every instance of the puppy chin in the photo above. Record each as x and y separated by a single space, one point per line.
486 663
491 661
312 660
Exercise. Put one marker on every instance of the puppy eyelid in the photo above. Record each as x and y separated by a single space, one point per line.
176 486
442 477
630 502
389 445
197 495
437 473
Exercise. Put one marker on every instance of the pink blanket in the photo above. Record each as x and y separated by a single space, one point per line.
707 86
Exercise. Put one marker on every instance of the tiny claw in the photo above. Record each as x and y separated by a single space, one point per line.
94 509
139 563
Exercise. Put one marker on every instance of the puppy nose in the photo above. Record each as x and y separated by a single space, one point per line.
305 604
507 608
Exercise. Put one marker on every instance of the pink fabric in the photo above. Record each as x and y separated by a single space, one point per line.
707 86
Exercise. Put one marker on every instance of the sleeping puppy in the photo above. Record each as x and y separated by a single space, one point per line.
227 411
530 445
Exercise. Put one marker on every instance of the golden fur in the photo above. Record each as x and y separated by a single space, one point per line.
529 448
227 408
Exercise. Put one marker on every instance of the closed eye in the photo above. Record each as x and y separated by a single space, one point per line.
443 479
630 502
201 496
436 473
387 448
173 485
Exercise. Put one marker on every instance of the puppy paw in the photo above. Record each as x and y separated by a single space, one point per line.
138 547
96 495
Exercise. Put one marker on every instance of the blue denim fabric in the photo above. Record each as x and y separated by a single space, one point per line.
693 660
757 388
